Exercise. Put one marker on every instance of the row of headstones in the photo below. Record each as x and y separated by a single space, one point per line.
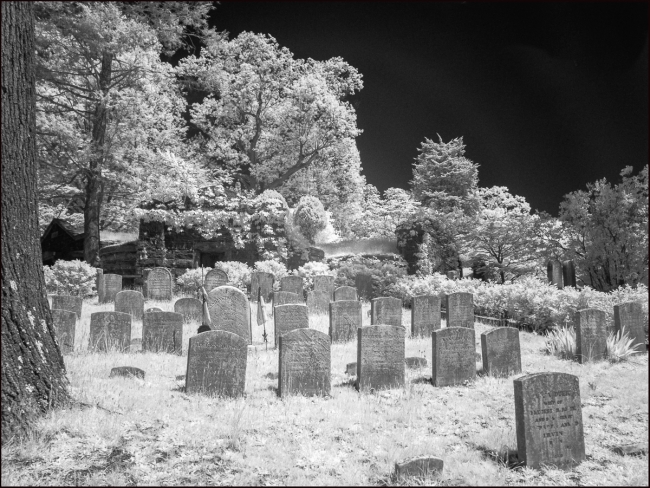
561 274
158 285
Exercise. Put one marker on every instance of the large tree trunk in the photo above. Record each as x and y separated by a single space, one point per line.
33 372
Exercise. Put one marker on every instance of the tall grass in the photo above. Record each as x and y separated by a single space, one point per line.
619 346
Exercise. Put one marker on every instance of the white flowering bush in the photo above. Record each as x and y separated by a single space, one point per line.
276 268
191 281
75 278
311 269
239 276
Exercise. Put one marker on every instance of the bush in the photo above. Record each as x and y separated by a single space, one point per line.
310 217
276 268
189 282
562 343
386 272
311 269
619 346
76 278
239 276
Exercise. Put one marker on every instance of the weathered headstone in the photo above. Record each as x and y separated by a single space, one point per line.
569 273
66 302
318 301
162 332
112 285
286 297
64 327
159 284
131 302
591 334
345 293
216 364
324 283
420 467
345 318
501 353
351 369
454 360
110 331
548 418
415 362
460 310
289 317
189 308
154 309
630 315
99 284
230 311
425 315
554 273
260 279
215 277
380 356
363 284
386 311
127 372
304 362
292 284
452 275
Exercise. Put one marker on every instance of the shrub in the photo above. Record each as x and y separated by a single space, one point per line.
619 346
310 217
276 268
386 271
239 274
309 270
562 343
75 278
190 281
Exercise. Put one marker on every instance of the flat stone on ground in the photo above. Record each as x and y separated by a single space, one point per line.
127 371
420 467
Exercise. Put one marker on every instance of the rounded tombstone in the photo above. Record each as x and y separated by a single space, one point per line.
162 332
215 277
131 302
110 331
230 311
159 284
189 308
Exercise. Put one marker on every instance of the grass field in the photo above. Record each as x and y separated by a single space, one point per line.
151 433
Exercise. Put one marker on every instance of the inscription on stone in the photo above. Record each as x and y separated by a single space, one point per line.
292 284
304 362
460 310
345 293
548 419
112 285
159 284
264 281
425 315
216 364
630 315
131 302
64 327
318 301
110 331
363 284
289 317
162 332
454 356
591 334
215 277
345 318
324 283
380 357
67 302
190 308
230 311
386 311
501 352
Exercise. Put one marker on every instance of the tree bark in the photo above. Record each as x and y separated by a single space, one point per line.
33 372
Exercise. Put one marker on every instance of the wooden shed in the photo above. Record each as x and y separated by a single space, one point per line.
63 241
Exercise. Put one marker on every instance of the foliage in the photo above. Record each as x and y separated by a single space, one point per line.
385 272
311 269
276 268
191 281
75 278
48 212
310 217
239 276
561 342
379 217
619 346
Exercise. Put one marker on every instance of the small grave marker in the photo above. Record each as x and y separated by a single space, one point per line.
190 308
345 319
230 311
363 284
162 332
454 356
131 302
324 283
289 317
292 284
415 363
591 334
425 315
351 369
127 372
65 323
215 277
501 353
386 311
345 293
460 310
67 302
260 279
112 285
304 362
159 284
380 356
420 467
154 309
318 301
110 330
630 315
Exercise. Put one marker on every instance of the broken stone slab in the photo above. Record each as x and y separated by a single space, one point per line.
127 372
637 449
414 362
421 467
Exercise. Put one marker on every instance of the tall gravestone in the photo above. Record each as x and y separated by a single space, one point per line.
386 311
289 317
304 363
216 364
112 285
345 318
99 284
591 334
501 352
425 315
190 308
131 302
260 279
159 284
65 323
110 331
380 356
460 310
630 315
318 301
454 356
215 277
286 297
66 302
554 273
292 284
345 293
230 311
162 332
363 284
548 418
324 283
569 273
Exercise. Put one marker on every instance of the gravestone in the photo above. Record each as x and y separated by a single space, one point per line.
415 362
304 362
230 311
159 284
112 285
286 297
345 293
345 319
454 356
386 311
460 310
351 369
425 315
554 273
289 317
99 284
131 302
154 309
215 277
452 275
318 301
292 284
189 308
630 315
569 273
64 327
216 364
66 302
501 352
324 283
420 467
264 281
110 330
363 284
591 334
162 332
548 419
380 356
127 372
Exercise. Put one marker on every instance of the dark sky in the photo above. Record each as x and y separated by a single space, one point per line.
547 96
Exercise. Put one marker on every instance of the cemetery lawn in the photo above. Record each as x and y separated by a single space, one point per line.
126 431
